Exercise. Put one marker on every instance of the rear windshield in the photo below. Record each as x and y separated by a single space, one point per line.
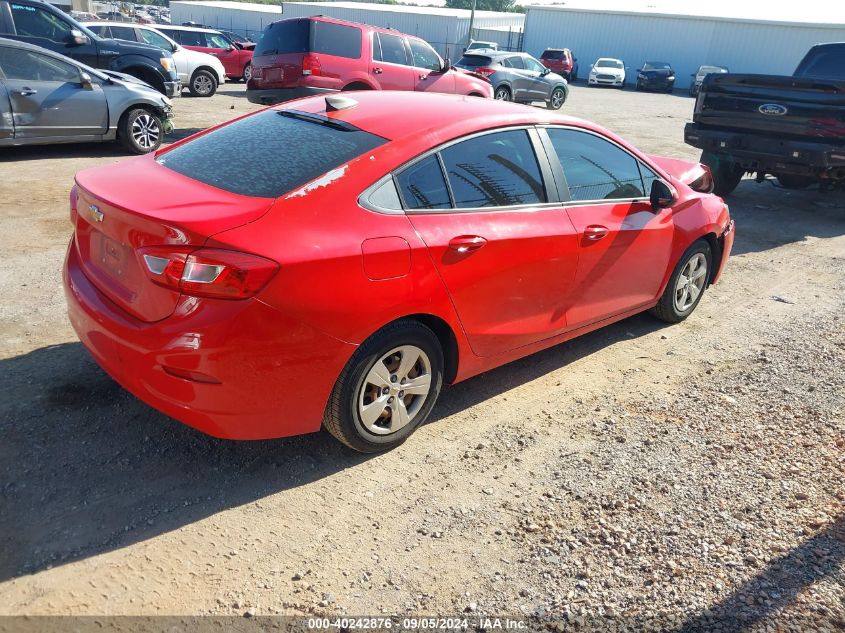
316 36
284 154
473 61
827 63
552 55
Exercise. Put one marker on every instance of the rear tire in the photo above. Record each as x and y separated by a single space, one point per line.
726 173
502 93
247 74
791 181
686 285
203 84
369 400
140 131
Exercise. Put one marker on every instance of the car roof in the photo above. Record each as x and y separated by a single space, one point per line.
46 51
199 29
437 117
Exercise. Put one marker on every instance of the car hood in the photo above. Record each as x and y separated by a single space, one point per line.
128 79
608 71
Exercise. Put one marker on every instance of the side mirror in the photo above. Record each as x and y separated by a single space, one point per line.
545 72
174 47
661 195
447 64
78 38
85 80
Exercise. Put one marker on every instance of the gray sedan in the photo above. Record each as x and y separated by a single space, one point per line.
48 98
517 77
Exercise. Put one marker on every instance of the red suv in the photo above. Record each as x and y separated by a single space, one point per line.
308 56
561 61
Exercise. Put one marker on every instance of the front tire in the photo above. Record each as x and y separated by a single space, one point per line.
726 173
203 84
557 99
686 285
387 389
140 131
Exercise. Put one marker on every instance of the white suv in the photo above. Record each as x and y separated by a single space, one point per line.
200 73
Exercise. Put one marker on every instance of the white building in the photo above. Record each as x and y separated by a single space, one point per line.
747 36
445 29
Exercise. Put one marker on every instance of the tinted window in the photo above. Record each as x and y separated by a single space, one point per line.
514 62
474 61
215 40
102 31
336 39
656 66
596 169
424 55
33 22
191 38
286 36
494 170
123 33
829 64
552 55
392 49
29 66
285 153
423 186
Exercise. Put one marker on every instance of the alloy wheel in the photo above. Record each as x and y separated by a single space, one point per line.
394 390
558 98
690 282
145 131
203 84
502 94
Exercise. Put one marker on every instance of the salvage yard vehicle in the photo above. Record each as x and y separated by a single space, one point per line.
517 77
319 55
656 76
790 127
235 57
607 72
200 73
699 75
50 98
561 61
42 24
391 255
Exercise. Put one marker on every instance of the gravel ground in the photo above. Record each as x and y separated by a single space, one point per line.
642 477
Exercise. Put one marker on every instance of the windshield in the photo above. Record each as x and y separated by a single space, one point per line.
706 70
609 63
656 66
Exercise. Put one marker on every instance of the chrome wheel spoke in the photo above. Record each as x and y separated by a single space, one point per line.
398 415
379 375
370 413
419 385
693 293
410 356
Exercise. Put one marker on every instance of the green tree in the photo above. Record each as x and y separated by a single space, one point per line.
484 5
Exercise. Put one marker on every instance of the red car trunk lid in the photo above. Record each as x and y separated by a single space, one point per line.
139 203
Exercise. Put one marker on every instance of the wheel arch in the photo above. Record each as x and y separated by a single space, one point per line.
206 68
445 336
357 84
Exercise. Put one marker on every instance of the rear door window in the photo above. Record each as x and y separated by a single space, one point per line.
336 39
124 33
514 62
285 153
423 186
192 38
285 36
595 168
494 170
392 49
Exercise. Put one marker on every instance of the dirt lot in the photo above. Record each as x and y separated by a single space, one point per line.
688 475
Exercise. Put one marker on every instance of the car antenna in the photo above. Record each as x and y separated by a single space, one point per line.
336 102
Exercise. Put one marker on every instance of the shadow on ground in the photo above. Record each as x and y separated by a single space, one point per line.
87 468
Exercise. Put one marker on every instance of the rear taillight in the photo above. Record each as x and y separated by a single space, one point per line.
207 272
74 198
484 71
311 66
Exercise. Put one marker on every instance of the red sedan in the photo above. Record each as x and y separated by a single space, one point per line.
376 246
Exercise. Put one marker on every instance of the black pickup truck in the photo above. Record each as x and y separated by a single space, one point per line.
790 127
44 25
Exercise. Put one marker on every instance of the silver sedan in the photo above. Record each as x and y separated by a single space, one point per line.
48 98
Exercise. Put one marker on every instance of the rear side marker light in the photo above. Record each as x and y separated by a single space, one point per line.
208 272
311 66
193 376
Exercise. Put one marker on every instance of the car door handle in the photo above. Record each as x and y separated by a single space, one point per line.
467 243
377 71
423 76
596 232
27 92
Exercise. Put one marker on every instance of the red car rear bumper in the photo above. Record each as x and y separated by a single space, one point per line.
727 245
271 375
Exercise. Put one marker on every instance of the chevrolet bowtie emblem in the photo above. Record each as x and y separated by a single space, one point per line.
95 212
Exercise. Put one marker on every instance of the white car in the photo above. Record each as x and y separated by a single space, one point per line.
607 71
200 73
